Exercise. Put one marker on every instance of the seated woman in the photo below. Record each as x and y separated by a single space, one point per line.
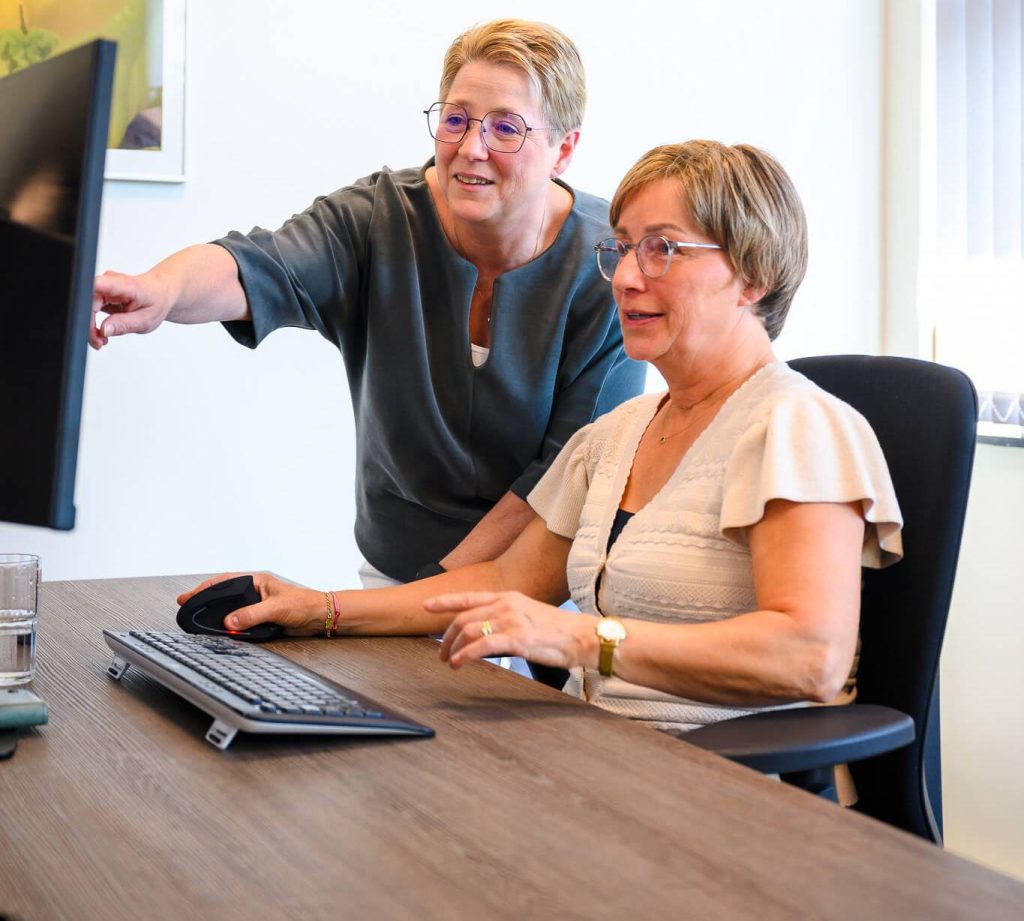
712 536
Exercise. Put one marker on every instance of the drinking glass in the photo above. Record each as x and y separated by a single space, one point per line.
19 613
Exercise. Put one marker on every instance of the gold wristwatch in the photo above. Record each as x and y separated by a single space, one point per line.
610 632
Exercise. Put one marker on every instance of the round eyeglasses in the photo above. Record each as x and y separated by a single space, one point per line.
653 254
504 132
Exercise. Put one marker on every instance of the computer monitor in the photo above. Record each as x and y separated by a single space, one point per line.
53 136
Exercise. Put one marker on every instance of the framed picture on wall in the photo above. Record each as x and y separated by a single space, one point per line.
147 117
148 140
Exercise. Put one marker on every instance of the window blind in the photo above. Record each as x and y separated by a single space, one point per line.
979 233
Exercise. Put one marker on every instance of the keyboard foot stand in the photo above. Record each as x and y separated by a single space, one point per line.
221 735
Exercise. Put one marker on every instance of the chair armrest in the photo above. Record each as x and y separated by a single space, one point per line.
806 738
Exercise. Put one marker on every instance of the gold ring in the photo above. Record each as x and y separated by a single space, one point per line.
485 628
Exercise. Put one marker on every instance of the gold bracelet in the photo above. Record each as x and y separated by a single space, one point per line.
329 623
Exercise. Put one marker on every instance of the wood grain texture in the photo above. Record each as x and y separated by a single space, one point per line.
527 804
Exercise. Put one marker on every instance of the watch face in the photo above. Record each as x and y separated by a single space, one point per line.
610 629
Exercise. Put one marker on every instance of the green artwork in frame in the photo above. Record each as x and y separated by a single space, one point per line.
147 119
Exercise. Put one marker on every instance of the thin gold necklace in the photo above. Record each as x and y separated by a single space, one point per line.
663 437
536 248
477 291
720 398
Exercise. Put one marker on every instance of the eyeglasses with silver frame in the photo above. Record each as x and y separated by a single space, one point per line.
653 254
504 132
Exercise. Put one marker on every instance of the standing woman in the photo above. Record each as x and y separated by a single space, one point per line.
477 333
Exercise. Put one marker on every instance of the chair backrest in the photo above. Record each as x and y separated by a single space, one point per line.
924 416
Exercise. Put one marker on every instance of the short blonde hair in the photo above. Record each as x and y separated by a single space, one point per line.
743 200
548 58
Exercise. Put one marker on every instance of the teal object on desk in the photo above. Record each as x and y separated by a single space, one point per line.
19 707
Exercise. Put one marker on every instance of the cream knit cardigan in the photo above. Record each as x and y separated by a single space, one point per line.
683 558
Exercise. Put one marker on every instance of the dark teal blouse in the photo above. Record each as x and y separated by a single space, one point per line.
438 441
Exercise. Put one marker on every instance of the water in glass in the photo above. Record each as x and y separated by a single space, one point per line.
17 646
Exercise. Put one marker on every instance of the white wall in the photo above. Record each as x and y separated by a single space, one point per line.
197 455
982 675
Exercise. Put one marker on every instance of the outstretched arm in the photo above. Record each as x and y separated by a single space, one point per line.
196 285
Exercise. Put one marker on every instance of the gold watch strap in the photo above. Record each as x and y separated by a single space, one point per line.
604 662
610 632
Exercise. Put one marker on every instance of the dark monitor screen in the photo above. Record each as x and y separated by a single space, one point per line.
53 137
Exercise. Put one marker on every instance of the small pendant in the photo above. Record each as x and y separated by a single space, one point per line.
661 440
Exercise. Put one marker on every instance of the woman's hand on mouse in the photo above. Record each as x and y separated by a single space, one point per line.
299 610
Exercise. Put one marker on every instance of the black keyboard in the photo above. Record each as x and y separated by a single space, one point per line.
249 688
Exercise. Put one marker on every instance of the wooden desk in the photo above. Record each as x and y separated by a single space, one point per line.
526 804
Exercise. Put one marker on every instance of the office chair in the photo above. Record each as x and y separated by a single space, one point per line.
924 415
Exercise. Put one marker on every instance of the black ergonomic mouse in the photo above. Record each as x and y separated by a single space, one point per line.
205 611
